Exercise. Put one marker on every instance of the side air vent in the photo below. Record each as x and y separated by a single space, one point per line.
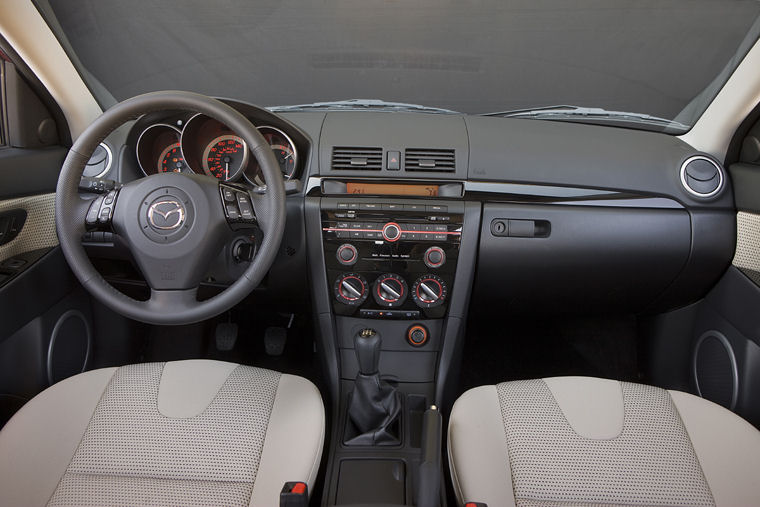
419 159
701 176
357 159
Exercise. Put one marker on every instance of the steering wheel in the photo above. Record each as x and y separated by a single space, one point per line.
173 224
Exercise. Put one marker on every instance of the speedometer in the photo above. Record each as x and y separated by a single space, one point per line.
284 152
225 157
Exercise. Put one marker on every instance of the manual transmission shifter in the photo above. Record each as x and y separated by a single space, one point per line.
375 405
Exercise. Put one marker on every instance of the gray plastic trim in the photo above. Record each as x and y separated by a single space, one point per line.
731 356
54 335
721 177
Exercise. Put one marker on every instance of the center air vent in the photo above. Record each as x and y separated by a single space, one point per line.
420 159
357 159
702 176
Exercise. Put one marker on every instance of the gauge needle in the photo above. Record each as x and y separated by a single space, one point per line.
390 290
226 170
427 290
351 289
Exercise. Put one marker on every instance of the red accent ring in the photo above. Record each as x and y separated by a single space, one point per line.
440 290
398 228
401 290
340 288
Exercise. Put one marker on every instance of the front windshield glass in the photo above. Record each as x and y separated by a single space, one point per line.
664 58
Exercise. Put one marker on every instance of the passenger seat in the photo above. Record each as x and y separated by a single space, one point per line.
588 441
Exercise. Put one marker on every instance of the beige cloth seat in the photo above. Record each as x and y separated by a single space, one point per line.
573 441
181 433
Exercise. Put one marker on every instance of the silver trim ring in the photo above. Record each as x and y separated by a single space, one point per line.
731 357
178 209
109 158
155 125
54 336
293 149
694 192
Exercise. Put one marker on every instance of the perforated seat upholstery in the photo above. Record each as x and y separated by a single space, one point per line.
578 441
181 433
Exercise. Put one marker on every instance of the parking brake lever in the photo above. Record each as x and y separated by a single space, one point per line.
428 493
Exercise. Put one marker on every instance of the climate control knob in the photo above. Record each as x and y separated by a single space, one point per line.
351 289
347 254
390 290
434 257
391 232
429 291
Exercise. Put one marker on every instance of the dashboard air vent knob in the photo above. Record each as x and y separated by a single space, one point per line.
701 176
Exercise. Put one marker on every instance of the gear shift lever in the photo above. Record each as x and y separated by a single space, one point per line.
367 346
375 405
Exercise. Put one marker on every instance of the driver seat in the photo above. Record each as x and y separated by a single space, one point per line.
194 432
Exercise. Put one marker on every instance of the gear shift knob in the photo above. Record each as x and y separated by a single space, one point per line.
367 345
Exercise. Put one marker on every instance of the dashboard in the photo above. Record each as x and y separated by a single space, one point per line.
550 216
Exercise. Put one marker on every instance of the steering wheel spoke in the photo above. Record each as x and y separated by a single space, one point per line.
172 301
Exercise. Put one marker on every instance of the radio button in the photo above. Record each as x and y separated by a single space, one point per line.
437 207
434 257
391 232
414 207
369 205
347 254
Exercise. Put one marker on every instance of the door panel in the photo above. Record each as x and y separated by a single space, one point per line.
37 231
45 316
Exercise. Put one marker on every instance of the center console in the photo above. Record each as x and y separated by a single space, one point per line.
396 270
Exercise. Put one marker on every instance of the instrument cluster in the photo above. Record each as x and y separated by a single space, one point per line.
203 145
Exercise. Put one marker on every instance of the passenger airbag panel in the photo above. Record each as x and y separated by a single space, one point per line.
594 259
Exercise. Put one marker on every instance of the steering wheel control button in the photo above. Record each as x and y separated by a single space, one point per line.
166 215
390 290
391 232
429 291
434 257
237 204
228 194
347 254
93 213
417 335
351 289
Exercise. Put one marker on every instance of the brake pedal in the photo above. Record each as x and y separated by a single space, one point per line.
274 340
226 335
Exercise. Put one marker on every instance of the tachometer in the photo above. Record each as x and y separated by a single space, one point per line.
171 160
284 151
225 157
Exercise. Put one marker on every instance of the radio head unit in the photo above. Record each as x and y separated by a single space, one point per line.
391 259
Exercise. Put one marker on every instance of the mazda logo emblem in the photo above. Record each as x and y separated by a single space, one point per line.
166 215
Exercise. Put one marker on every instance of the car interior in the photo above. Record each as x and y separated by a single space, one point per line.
306 253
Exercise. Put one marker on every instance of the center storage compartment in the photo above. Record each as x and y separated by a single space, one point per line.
368 481
586 258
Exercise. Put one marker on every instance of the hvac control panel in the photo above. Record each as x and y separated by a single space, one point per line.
391 258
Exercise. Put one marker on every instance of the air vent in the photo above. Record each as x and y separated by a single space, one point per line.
701 176
419 159
357 159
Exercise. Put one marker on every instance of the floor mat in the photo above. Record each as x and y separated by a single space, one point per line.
600 347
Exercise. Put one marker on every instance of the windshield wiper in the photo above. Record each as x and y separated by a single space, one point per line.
595 114
360 104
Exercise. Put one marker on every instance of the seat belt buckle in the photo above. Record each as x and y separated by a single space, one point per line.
475 504
294 494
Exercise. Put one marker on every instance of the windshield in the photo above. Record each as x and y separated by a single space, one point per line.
661 58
